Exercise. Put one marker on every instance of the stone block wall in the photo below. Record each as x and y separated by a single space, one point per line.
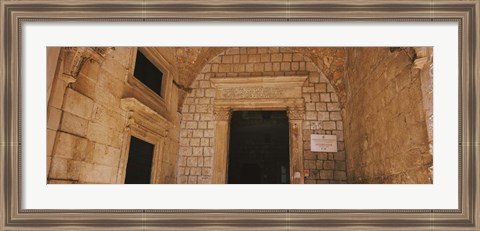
322 112
384 118
86 124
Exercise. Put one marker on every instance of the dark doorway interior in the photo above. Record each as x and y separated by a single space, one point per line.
139 166
259 148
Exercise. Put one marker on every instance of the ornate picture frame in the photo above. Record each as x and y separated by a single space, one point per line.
15 13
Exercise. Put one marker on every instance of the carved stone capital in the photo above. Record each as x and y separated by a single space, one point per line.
296 113
75 57
222 114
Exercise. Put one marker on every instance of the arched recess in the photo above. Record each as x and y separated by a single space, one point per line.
206 113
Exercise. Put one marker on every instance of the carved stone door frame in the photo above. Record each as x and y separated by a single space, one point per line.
259 93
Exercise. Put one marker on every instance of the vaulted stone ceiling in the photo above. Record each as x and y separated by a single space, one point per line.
190 61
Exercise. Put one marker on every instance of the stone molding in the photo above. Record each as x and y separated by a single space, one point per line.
222 114
76 57
296 113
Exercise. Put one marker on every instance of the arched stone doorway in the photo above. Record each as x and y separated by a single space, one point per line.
260 79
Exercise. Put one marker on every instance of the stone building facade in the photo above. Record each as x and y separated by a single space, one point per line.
376 101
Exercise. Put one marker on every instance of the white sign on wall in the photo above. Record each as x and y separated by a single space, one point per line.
323 143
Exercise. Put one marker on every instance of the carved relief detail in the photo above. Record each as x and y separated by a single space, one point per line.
252 92
222 114
76 57
296 113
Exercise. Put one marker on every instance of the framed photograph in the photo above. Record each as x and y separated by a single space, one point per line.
305 115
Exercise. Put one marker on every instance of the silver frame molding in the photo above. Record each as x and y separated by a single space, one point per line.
14 13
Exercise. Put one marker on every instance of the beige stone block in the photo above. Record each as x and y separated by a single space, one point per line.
115 69
86 86
335 116
94 173
58 168
51 137
259 67
251 50
105 135
276 57
333 106
321 87
192 179
297 57
285 66
224 67
249 67
109 84
196 116
236 59
187 116
309 164
339 156
295 66
206 117
314 77
203 101
192 161
198 133
206 171
276 66
227 59
191 125
326 174
329 125
311 67
232 51
321 106
70 146
243 58
109 118
254 58
78 104
207 151
311 115
265 58
315 97
211 125
333 97
214 68
197 151
307 89
339 175
323 116
310 106
324 97
204 84
239 67
328 165
209 133
210 93
199 92
202 125
53 118
104 155
186 151
90 70
74 124
287 57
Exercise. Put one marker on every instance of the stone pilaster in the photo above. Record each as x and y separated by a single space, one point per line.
222 130
295 118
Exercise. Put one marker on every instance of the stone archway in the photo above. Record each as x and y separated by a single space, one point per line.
259 93
204 111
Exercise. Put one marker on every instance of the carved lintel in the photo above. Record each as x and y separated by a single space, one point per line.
296 113
222 114
76 57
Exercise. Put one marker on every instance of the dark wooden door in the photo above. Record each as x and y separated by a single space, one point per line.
139 165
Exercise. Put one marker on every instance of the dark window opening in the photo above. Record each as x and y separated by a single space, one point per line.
139 165
259 148
148 73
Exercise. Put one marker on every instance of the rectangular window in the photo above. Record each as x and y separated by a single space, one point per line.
139 165
148 73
